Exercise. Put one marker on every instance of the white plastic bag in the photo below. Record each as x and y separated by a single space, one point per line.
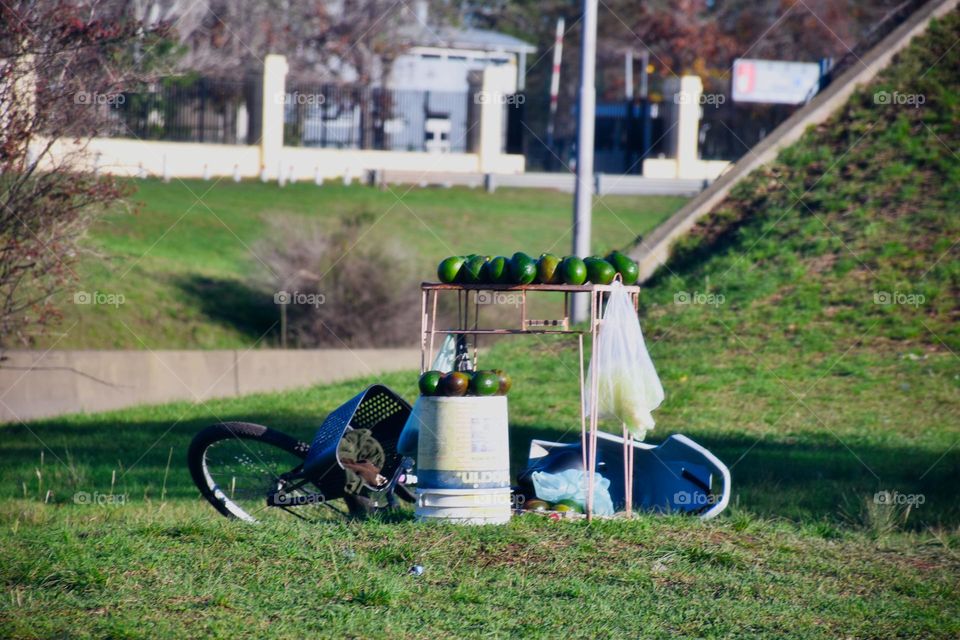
572 484
446 357
628 386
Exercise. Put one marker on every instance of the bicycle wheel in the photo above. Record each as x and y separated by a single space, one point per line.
236 465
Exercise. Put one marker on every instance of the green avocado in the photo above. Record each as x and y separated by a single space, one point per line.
429 383
496 271
573 270
449 269
523 269
536 505
472 272
454 383
626 267
547 269
505 382
484 383
568 505
599 271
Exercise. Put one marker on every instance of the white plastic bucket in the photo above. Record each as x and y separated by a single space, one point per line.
463 460
464 506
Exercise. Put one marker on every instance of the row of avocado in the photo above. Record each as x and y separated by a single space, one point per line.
521 269
560 506
465 383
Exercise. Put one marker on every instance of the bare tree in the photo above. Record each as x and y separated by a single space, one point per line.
345 40
61 67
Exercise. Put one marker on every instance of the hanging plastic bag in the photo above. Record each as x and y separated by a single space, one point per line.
628 386
445 359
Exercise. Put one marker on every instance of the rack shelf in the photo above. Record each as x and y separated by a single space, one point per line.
565 288
430 292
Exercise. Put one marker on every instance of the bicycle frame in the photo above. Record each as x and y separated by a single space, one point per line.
296 479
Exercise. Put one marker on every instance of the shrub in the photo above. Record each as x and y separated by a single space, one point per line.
339 291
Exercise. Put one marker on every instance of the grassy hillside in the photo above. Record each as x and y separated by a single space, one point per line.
777 351
808 327
187 256
853 233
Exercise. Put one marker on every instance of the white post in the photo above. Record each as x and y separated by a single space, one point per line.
274 94
497 83
688 127
583 200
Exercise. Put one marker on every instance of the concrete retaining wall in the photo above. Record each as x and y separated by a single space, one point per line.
35 384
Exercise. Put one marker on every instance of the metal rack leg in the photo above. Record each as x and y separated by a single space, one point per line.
627 470
433 322
476 325
583 408
423 330
594 410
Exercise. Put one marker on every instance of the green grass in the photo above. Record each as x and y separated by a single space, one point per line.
803 552
188 256
814 394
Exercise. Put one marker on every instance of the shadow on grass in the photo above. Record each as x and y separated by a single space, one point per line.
230 302
808 481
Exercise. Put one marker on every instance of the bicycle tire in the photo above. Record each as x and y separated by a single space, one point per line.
197 459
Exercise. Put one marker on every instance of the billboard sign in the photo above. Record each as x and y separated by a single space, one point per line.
774 81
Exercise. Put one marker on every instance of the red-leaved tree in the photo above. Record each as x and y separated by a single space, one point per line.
61 66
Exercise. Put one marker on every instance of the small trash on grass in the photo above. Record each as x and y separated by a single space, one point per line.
416 570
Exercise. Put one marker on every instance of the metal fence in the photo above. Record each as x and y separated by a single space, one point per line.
350 117
624 133
228 111
187 109
730 130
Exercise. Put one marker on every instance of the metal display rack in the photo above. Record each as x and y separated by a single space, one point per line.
468 298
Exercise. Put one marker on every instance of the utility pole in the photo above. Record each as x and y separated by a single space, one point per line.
554 86
644 81
583 199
